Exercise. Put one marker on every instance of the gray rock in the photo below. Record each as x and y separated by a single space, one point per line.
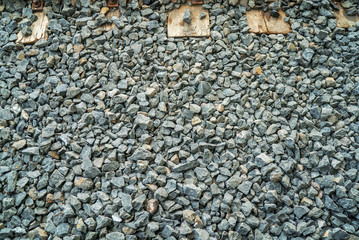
63 229
308 54
204 88
114 72
245 187
120 134
200 234
57 179
340 234
31 151
203 14
143 122
275 6
233 182
115 236
185 166
72 92
126 202
300 211
141 154
192 191
6 114
263 159
161 194
11 181
168 231
187 16
102 222
151 25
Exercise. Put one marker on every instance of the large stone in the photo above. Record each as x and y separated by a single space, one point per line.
115 236
31 151
192 191
245 187
186 166
263 159
204 88
200 234
141 154
83 183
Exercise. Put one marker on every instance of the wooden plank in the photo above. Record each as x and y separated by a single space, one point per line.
343 20
277 25
176 27
111 13
262 22
38 30
256 21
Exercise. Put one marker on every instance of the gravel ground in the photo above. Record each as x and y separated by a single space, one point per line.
128 134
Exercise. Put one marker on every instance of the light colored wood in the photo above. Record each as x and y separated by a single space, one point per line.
343 20
176 27
38 30
256 21
262 22
277 25
110 14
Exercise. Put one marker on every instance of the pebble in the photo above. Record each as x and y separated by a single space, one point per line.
152 206
83 183
187 17
19 144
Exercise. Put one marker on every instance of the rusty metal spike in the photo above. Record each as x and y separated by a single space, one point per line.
112 3
196 2
37 5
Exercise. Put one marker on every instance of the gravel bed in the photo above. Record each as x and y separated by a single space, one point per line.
129 134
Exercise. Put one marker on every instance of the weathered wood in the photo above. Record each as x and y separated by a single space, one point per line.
176 27
262 22
38 30
256 21
111 13
343 20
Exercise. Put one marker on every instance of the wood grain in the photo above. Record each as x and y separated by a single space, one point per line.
176 27
110 14
343 20
38 30
262 22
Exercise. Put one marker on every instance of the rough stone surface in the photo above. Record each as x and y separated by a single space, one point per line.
130 134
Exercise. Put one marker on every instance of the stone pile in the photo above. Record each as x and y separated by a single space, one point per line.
129 134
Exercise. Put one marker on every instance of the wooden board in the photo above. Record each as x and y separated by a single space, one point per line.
176 27
262 22
343 20
38 30
110 14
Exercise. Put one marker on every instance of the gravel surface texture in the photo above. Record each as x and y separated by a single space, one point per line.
129 134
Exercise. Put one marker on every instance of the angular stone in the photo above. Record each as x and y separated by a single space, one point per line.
300 211
31 151
186 166
83 183
263 159
11 181
192 191
245 187
115 236
200 234
152 206
19 144
141 154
